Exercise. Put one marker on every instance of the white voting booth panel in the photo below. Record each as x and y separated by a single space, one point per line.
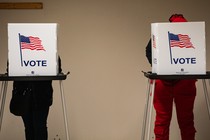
178 48
32 49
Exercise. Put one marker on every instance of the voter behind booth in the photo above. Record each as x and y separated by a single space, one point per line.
31 100
180 92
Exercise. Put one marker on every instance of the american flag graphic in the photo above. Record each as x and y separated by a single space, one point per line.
179 40
32 43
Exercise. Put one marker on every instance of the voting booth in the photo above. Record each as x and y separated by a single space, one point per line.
178 52
32 56
32 49
178 48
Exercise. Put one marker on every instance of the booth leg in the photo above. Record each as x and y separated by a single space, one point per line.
209 81
144 123
64 110
148 111
2 100
151 109
206 96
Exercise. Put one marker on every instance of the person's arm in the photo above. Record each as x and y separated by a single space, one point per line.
59 65
149 52
7 70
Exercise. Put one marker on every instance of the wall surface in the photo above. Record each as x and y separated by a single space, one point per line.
102 43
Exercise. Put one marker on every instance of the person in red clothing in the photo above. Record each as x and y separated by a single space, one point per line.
180 92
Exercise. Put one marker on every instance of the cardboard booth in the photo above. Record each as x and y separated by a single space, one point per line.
32 49
178 48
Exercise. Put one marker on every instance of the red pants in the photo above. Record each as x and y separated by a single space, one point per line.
182 93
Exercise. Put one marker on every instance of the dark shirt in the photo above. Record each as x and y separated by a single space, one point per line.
42 91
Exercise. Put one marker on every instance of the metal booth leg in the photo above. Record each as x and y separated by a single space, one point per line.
206 96
148 111
64 110
145 111
209 81
2 100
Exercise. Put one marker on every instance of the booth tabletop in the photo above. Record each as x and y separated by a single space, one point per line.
151 75
5 77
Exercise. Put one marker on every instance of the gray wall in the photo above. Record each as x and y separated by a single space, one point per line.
102 43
